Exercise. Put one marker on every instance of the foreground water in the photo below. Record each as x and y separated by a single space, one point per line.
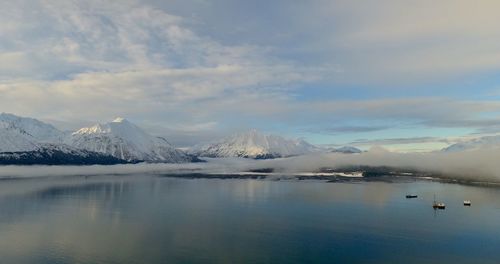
147 219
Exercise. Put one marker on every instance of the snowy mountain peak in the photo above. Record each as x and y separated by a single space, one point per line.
253 144
120 120
123 129
124 140
30 141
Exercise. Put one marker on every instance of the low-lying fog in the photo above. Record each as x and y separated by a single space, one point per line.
472 165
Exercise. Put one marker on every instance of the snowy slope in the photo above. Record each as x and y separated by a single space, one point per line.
14 139
253 144
25 134
475 144
40 131
124 140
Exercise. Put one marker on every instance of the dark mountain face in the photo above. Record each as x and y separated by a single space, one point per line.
57 157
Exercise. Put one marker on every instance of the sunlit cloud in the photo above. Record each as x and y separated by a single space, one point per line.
326 67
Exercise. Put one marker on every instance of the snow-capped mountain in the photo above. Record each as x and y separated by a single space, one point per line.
475 144
347 150
253 144
14 139
38 130
27 141
126 141
25 134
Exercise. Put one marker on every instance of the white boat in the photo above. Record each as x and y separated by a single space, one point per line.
467 203
438 205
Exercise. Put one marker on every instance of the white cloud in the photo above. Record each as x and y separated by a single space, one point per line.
94 60
99 57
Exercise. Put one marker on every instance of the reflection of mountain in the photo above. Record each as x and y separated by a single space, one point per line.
45 198
162 220
48 221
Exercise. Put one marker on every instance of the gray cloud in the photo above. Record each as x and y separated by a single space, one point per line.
481 126
396 141
348 129
374 41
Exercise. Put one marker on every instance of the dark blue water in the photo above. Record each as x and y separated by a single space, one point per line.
146 219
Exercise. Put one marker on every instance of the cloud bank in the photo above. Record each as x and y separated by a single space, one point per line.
468 165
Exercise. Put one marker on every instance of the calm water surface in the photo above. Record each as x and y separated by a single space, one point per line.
147 219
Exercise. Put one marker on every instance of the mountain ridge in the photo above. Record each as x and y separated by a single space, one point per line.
256 145
28 141
123 139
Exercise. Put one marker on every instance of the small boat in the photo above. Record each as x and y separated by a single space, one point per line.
438 205
409 196
467 203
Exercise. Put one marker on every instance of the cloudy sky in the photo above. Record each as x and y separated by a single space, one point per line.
409 75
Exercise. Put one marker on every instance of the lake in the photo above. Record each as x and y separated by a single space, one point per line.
153 219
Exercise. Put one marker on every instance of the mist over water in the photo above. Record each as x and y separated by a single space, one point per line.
470 165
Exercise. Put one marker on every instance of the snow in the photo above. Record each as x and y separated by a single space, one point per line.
254 144
40 131
118 138
25 134
122 139
15 140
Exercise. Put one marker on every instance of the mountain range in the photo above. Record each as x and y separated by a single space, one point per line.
30 141
25 140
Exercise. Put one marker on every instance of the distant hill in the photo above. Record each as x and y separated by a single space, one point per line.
475 144
347 150
256 145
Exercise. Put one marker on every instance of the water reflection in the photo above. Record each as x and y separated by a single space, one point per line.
146 219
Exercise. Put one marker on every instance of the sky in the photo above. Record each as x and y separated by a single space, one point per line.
406 75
